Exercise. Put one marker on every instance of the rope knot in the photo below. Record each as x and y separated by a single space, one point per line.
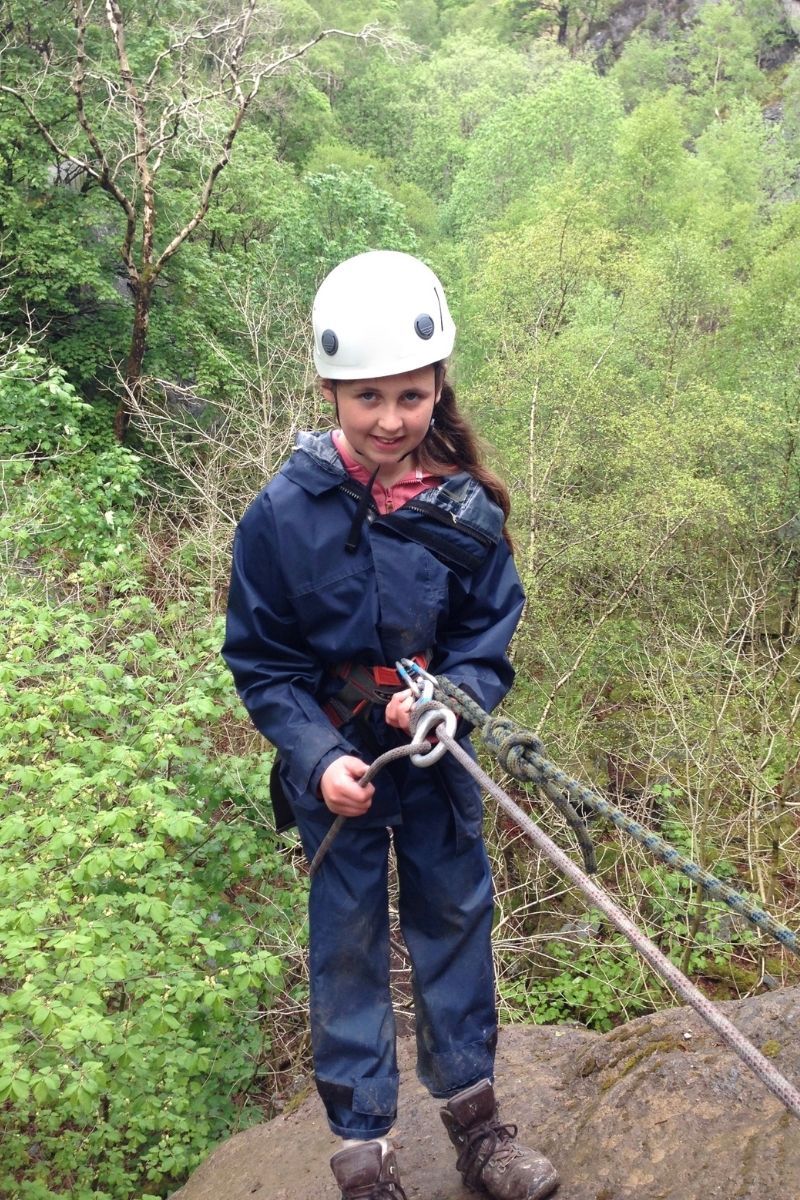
512 745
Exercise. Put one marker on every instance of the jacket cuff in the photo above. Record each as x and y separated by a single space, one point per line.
319 770
320 743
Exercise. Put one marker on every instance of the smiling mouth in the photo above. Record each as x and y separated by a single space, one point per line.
386 441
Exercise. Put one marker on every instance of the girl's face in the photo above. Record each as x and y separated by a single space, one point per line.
384 420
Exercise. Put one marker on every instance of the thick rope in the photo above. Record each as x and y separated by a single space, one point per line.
763 1068
521 754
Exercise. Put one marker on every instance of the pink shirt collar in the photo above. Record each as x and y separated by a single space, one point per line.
387 499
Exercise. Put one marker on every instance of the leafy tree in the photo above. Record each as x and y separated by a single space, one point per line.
650 156
647 64
752 166
791 108
341 213
59 271
721 56
570 21
461 86
375 109
421 115
177 89
571 120
419 208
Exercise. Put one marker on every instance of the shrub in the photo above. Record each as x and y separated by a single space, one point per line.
133 973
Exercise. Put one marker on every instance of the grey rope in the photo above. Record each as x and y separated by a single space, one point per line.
522 755
763 1068
414 747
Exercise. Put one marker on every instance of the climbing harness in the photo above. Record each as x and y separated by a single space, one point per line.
363 685
438 703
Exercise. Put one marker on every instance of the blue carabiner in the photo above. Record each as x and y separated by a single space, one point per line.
402 670
421 692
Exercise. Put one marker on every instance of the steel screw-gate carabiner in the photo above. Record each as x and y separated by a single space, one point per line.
428 721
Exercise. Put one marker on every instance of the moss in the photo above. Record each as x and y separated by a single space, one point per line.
771 1048
625 1032
294 1102
622 1068
741 979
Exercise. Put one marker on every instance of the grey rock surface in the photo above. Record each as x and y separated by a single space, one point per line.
658 1109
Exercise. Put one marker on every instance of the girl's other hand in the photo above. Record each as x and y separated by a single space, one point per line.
398 710
341 791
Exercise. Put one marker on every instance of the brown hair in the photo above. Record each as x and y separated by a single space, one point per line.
452 443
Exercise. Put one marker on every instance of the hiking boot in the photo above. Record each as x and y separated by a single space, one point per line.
367 1172
489 1157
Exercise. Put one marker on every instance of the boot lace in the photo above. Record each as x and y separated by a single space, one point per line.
490 1140
386 1189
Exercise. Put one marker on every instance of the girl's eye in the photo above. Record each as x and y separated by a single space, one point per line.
411 397
367 397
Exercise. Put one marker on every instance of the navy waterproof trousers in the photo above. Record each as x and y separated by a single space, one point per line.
445 911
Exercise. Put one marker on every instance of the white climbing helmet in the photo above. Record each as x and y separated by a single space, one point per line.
380 313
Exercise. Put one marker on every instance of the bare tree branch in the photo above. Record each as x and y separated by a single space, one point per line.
245 100
609 612
105 178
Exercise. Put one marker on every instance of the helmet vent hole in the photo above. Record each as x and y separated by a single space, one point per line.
330 342
424 326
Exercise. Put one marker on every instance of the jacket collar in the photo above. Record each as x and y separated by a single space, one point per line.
316 467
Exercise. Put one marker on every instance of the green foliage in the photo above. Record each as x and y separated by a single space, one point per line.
57 267
41 412
342 213
132 972
646 65
570 22
600 986
419 209
651 153
82 509
721 57
570 122
375 109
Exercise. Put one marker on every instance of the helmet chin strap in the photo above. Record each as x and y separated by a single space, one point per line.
361 454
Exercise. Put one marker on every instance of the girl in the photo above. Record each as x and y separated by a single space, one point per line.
385 539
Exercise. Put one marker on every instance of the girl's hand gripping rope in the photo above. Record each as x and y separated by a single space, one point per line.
419 750
342 789
398 710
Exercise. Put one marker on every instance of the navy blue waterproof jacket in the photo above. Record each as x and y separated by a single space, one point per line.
436 574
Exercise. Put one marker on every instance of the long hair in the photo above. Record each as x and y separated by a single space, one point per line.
452 445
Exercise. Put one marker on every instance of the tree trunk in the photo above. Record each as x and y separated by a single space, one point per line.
563 22
133 369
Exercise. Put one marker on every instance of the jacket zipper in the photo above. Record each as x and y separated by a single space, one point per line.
449 519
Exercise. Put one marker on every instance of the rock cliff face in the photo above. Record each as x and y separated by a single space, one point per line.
624 19
658 1109
608 36
792 10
